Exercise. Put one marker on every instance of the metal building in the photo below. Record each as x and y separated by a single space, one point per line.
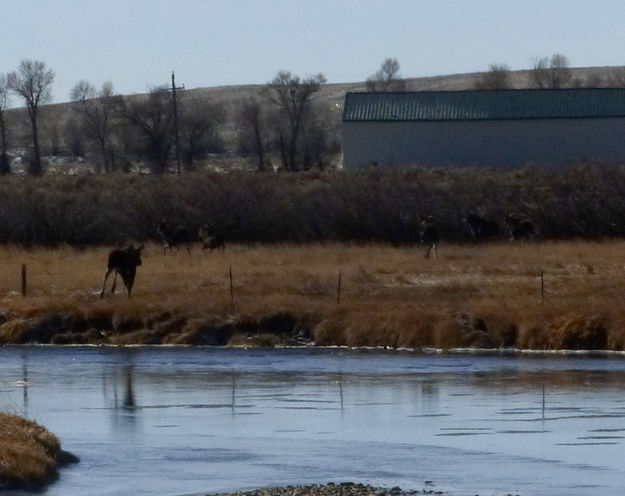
503 128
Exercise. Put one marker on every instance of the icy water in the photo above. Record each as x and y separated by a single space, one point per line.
174 421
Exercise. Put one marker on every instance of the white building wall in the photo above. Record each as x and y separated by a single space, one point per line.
492 143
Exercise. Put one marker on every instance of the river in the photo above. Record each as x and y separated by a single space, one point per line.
174 421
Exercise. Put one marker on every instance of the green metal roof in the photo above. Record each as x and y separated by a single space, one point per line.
485 105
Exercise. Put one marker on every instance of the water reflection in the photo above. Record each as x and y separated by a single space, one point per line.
124 413
190 418
25 385
337 379
129 403
234 390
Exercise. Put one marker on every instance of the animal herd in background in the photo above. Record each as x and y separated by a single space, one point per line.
173 238
479 228
125 261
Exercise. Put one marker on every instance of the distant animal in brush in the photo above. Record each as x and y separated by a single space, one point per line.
123 262
212 239
481 229
174 237
428 235
520 228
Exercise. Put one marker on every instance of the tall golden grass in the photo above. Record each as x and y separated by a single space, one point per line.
469 296
29 453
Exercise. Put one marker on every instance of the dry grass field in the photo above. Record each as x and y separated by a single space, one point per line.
485 296
29 453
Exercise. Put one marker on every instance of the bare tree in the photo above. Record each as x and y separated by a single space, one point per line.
199 128
553 73
32 81
50 132
293 99
497 78
73 132
317 143
97 108
152 117
387 78
253 124
5 164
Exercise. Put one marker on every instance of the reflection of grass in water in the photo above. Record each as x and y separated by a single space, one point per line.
601 437
523 432
460 434
470 296
551 381
588 444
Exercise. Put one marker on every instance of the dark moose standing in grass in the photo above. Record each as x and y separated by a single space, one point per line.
211 238
174 237
520 228
124 263
481 229
428 234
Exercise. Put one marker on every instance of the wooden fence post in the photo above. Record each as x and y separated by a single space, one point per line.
231 288
338 289
23 280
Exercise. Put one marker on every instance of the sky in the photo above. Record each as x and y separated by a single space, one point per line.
136 44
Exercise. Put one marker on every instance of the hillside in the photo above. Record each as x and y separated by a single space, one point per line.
333 93
55 118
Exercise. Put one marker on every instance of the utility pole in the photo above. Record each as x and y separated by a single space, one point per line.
173 90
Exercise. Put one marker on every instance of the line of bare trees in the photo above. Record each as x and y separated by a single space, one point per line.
552 72
286 121
282 126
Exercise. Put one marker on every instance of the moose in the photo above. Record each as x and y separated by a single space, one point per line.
481 229
174 237
211 238
123 262
428 234
520 228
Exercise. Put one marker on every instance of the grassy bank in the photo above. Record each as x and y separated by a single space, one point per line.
469 296
29 454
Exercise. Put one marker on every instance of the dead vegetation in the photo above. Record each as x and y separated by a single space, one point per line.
480 296
29 454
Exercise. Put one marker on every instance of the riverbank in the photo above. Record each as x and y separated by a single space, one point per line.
30 455
536 296
330 489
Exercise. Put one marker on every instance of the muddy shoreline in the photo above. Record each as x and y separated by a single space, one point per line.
159 327
278 329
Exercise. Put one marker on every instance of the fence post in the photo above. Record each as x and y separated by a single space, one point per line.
231 288
23 280
542 287
338 289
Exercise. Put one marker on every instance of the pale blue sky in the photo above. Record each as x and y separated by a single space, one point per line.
137 43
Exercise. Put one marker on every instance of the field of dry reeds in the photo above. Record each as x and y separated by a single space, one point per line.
29 454
484 296
584 201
